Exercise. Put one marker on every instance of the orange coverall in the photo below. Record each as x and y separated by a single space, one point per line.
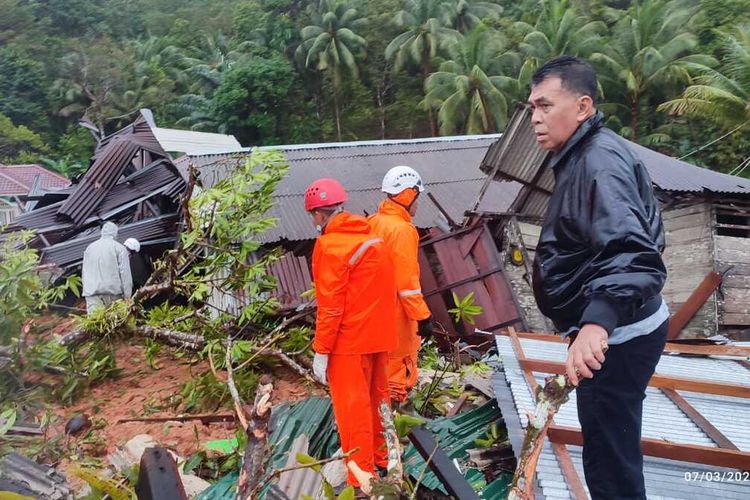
393 224
355 326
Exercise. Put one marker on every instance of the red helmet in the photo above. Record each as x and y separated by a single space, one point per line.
324 193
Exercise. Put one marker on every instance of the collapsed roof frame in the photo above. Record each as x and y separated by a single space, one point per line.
726 454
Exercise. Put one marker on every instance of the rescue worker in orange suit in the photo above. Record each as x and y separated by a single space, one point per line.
355 327
402 186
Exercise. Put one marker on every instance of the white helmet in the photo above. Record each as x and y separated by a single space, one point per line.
132 244
402 177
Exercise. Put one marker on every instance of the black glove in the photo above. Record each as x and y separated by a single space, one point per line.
425 328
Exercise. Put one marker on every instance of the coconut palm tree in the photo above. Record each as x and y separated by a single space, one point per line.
471 90
652 50
427 28
723 95
560 29
329 44
467 14
427 25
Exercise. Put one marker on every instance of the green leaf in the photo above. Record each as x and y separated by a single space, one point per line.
405 423
347 494
305 459
193 462
8 418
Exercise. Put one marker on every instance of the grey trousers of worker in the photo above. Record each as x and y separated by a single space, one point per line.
97 301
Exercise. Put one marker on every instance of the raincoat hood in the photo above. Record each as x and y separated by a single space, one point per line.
109 230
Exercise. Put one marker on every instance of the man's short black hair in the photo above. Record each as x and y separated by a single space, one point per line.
576 75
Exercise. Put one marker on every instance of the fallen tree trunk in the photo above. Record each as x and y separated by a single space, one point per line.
172 337
253 470
549 400
193 342
74 338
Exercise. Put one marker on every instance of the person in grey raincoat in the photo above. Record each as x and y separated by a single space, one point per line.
106 270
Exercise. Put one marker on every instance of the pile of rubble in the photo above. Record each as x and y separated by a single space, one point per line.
131 181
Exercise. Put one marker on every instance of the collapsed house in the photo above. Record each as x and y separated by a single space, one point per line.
131 181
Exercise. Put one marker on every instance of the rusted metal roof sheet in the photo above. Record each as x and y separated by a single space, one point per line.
517 156
293 275
39 218
157 178
114 156
448 166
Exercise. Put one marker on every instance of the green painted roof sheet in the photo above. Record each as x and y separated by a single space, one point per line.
312 417
455 435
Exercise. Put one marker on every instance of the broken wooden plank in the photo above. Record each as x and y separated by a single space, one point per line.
158 478
660 381
718 457
460 402
702 422
572 479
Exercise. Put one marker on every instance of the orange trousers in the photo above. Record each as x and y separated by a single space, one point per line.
402 374
359 383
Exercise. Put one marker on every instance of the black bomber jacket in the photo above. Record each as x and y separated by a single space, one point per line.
598 259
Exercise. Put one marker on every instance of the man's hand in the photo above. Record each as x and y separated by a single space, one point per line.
586 353
320 367
425 328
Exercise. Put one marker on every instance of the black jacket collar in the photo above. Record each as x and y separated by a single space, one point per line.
584 130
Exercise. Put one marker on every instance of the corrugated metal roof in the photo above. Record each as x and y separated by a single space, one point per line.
517 156
449 167
111 160
662 419
192 143
44 481
294 224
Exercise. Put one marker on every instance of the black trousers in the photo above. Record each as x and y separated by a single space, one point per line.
610 409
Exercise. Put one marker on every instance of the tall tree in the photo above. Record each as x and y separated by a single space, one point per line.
18 143
427 25
723 95
22 96
90 80
471 89
329 44
652 50
254 98
215 55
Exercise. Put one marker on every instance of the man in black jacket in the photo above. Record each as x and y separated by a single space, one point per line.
598 272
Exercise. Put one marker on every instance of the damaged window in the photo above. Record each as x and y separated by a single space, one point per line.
733 218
